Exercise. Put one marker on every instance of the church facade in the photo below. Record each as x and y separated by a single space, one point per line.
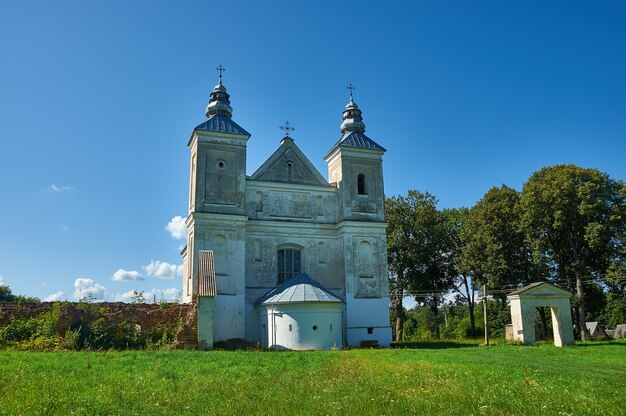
287 223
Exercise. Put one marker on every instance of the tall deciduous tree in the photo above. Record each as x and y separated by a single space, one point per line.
463 284
419 251
573 218
494 249
400 212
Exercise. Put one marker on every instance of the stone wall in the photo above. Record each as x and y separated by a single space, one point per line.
181 318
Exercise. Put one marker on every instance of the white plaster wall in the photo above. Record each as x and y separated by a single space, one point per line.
225 235
516 320
228 316
327 318
364 313
366 307
205 322
562 324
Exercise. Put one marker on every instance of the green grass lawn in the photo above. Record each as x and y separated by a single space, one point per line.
437 378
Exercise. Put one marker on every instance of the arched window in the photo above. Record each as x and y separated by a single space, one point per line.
361 185
289 263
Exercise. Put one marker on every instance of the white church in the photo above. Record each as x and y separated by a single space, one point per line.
300 262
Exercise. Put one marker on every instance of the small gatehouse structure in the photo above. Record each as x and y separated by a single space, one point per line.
524 303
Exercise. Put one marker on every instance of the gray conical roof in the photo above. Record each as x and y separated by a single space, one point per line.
298 289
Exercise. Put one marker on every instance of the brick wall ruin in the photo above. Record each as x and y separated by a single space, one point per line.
180 319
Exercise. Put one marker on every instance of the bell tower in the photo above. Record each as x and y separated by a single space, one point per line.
218 159
216 219
355 167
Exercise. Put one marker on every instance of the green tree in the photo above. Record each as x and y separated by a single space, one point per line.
462 280
495 252
419 249
6 295
573 219
614 312
400 213
615 309
138 297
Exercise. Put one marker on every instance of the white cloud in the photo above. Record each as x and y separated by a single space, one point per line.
54 297
125 297
121 275
64 227
163 270
62 188
177 227
87 288
2 281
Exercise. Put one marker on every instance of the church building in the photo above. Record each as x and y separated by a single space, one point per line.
300 261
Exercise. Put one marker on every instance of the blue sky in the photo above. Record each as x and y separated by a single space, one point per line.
98 100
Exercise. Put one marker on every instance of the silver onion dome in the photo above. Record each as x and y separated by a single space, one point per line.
352 118
219 103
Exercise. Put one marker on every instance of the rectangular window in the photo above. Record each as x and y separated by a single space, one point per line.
281 266
370 330
289 263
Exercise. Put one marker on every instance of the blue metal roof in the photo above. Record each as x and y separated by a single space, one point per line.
300 288
223 124
357 139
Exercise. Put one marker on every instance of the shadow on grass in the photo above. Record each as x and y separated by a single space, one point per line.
612 343
436 345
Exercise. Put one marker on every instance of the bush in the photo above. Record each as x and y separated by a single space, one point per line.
18 330
38 333
93 330
70 340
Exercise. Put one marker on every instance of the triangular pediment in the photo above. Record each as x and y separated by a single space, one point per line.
540 289
289 164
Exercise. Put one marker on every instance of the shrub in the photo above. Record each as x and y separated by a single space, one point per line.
70 340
